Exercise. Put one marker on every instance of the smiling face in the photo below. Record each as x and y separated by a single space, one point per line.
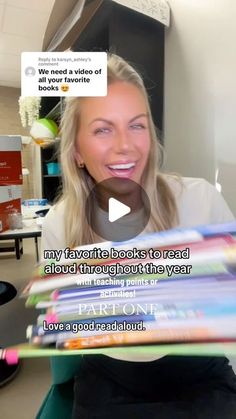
65 87
113 138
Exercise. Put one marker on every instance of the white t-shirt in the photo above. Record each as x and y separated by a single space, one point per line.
198 202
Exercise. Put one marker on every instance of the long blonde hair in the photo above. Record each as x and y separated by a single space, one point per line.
77 183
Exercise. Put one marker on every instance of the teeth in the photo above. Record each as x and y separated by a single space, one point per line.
122 166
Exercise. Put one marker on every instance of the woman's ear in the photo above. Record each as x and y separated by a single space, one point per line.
78 159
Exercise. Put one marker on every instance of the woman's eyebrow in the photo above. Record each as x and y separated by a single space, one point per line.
101 120
112 123
139 116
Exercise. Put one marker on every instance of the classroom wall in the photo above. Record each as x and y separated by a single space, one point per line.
200 92
10 124
9 112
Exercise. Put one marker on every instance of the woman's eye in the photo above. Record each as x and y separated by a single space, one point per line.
101 131
137 126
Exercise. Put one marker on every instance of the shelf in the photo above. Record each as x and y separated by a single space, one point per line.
50 143
59 175
52 108
55 112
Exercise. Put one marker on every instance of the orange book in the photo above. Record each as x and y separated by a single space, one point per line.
139 337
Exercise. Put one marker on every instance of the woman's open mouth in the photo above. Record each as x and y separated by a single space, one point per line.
122 169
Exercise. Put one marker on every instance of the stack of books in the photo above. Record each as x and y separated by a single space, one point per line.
168 289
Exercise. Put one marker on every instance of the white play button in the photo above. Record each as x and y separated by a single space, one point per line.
116 210
107 206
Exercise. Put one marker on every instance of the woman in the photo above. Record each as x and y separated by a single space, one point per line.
114 137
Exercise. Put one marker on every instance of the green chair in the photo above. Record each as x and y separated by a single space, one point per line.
59 401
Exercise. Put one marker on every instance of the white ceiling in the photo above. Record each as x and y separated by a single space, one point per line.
22 27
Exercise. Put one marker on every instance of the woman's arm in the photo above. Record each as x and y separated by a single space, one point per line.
53 236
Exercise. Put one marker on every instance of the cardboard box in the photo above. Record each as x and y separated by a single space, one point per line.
10 201
10 160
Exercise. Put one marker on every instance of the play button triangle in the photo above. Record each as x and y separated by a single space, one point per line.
116 210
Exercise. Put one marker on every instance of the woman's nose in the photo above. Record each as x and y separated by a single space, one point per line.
122 142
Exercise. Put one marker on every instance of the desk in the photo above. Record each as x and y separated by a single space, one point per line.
23 233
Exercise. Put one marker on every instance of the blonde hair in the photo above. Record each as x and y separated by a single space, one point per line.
77 182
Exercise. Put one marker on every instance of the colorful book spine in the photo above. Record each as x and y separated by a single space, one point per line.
188 317
195 246
34 330
12 355
224 255
152 240
72 296
221 331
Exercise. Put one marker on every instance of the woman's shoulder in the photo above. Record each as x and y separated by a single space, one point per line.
53 231
186 185
57 210
190 187
198 201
